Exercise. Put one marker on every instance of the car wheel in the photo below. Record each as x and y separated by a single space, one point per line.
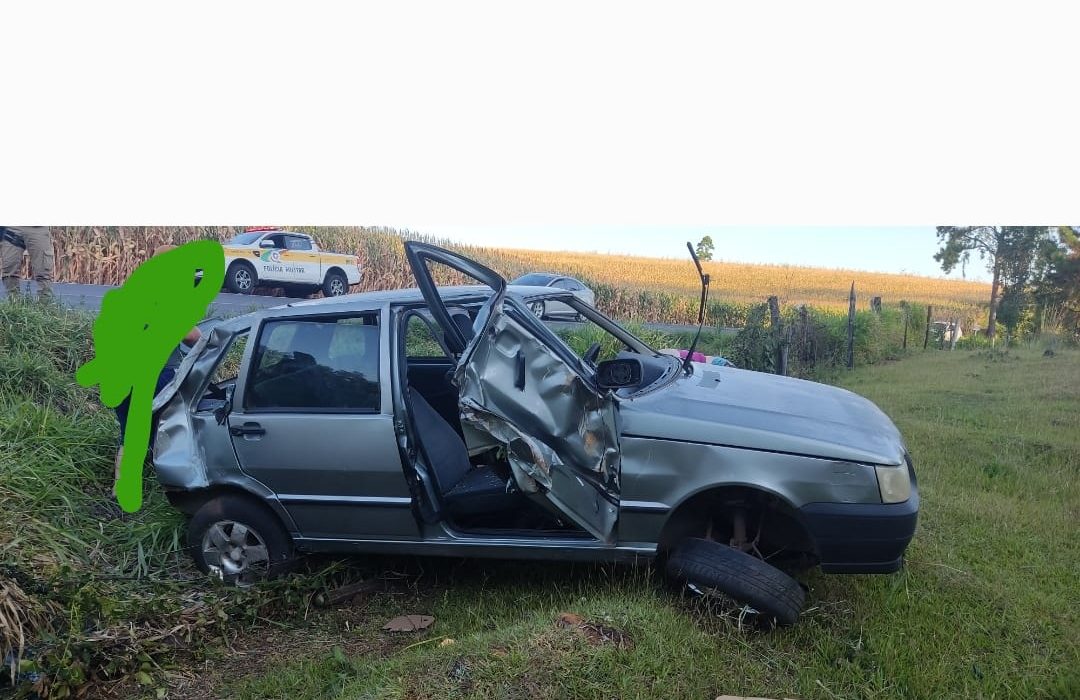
708 566
241 278
239 540
335 284
538 309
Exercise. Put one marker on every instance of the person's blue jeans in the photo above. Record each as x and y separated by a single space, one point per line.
164 378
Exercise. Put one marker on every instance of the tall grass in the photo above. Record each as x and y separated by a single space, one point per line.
91 596
79 562
59 442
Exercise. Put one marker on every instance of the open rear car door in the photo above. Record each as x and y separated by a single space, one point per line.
559 431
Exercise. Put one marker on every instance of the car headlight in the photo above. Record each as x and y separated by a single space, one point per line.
894 483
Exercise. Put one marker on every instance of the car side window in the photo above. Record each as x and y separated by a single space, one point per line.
297 243
316 365
420 340
563 284
277 239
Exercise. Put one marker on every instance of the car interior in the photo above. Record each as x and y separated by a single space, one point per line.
478 493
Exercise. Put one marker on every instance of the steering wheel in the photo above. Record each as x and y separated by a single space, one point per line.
591 354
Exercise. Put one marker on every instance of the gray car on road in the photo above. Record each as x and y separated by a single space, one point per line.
550 308
451 421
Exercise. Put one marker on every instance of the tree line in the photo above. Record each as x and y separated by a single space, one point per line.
1035 272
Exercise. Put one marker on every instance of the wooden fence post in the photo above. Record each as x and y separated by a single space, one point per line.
780 362
785 344
774 325
805 352
907 316
926 338
851 328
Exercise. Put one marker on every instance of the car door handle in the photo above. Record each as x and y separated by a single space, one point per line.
247 429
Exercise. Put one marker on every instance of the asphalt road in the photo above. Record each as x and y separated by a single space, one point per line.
88 297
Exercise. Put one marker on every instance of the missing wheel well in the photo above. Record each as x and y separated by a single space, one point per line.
748 519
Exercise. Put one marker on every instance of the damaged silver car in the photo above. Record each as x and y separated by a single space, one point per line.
451 421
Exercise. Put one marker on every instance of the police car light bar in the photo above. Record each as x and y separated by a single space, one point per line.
253 229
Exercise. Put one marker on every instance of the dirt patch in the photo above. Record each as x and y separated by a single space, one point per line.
595 633
347 624
260 649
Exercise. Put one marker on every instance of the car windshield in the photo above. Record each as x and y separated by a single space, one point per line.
245 238
613 340
534 279
582 335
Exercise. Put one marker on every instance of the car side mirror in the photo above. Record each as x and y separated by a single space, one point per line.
221 413
618 374
266 243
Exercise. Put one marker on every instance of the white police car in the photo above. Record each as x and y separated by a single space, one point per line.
270 257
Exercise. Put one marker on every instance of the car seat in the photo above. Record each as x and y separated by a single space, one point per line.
465 489
463 321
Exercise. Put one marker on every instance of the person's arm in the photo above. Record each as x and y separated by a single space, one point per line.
192 337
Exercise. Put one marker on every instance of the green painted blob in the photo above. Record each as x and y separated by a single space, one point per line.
139 326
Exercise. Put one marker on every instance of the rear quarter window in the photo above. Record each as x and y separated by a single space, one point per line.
228 368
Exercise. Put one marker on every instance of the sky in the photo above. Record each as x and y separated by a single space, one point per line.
898 249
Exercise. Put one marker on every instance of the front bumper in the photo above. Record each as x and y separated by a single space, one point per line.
862 538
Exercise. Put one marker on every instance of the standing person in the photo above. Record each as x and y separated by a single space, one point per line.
166 376
35 240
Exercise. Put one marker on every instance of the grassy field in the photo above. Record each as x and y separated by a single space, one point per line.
986 607
646 289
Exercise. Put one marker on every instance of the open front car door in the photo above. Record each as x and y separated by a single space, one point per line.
558 428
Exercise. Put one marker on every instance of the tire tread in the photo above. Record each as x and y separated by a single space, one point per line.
741 576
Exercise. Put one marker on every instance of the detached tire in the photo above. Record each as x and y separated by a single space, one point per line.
240 538
241 278
740 576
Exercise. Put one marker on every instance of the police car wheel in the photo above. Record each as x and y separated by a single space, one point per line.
241 278
335 285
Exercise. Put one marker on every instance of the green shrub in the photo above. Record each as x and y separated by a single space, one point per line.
752 348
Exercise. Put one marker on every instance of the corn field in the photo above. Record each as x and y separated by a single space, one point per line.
645 289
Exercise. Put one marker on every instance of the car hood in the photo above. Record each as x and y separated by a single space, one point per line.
758 411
